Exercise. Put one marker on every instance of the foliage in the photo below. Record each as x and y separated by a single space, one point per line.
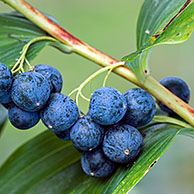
54 165
51 163
158 23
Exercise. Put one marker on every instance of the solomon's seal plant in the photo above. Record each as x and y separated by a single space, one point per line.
117 129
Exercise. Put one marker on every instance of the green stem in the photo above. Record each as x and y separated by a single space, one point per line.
61 47
81 48
89 79
169 99
65 37
107 76
25 50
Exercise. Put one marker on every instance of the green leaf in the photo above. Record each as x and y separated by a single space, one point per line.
40 158
158 23
15 32
139 66
187 129
46 164
187 132
157 140
180 29
154 16
171 120
184 22
3 116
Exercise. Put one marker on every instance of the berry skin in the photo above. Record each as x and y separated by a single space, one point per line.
122 143
52 75
30 91
5 79
60 114
64 135
22 119
5 97
107 106
178 87
96 164
86 134
141 107
5 84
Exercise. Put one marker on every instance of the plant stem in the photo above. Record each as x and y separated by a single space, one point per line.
169 99
81 48
65 37
89 79
24 52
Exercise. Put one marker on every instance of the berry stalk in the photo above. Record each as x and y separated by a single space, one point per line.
78 90
81 48
22 58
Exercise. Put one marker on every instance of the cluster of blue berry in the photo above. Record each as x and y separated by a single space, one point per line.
110 128
30 95
106 136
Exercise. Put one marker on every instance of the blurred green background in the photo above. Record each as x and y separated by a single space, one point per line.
110 26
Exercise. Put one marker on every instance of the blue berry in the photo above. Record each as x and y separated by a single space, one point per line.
86 134
96 164
5 84
22 119
52 75
122 143
107 106
141 107
5 97
64 135
30 91
178 87
60 114
5 79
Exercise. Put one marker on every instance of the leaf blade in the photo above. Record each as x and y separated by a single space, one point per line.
157 24
187 132
154 15
42 155
53 165
184 23
138 172
15 32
